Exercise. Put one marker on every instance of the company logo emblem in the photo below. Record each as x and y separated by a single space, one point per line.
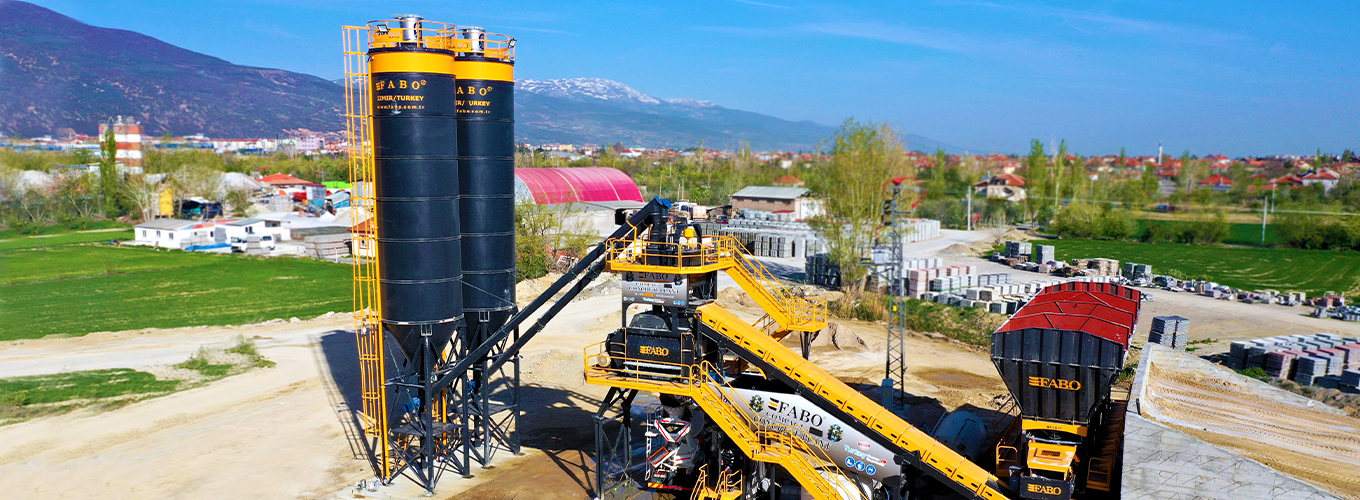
1044 490
864 445
757 403
835 433
1051 383
654 351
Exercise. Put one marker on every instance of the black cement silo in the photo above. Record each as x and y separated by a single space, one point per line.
415 143
486 145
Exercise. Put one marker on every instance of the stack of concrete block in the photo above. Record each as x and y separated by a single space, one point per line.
1308 369
1170 331
1280 364
1350 379
921 230
1279 356
1044 254
1018 249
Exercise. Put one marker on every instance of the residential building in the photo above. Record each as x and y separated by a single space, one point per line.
1010 187
1326 178
1217 182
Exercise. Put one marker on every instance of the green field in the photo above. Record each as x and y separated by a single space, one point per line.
63 285
1238 233
62 239
1284 269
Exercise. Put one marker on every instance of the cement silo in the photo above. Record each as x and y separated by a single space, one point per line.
486 147
415 157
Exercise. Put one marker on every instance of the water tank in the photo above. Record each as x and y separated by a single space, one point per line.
415 143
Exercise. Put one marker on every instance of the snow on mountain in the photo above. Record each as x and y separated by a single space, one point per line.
685 101
597 88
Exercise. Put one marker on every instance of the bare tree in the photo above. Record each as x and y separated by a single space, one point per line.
143 195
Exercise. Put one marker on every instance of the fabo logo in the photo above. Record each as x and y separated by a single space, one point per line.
1044 490
1051 383
654 351
399 84
473 90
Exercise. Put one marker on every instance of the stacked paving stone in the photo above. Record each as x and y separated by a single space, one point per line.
1308 369
1280 357
1351 379
1170 331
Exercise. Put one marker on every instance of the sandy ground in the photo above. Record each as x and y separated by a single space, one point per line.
1287 432
287 432
270 433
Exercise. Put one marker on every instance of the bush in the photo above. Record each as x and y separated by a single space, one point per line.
970 325
1206 230
1084 220
1118 225
1158 233
531 256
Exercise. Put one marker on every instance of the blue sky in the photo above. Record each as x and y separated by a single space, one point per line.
1233 77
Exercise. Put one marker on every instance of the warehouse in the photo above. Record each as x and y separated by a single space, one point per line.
550 186
792 200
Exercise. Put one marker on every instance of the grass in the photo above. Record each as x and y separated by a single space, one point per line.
61 229
1238 233
22 398
57 240
1284 269
74 287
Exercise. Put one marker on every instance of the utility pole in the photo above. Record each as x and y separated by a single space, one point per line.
1264 208
968 215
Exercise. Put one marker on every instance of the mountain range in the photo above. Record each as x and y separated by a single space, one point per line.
598 111
57 72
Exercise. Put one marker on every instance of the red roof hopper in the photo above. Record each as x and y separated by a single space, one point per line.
1101 309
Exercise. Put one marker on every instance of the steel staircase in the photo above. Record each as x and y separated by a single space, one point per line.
776 444
723 253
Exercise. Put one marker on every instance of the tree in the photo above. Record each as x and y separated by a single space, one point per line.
1320 160
864 156
1036 165
142 195
1192 171
1347 156
108 174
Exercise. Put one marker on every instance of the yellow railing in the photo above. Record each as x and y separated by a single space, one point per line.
387 33
851 403
600 369
727 486
785 445
721 253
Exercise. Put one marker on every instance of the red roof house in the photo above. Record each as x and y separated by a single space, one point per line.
1218 182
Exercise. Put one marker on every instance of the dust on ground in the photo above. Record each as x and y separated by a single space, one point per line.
1287 432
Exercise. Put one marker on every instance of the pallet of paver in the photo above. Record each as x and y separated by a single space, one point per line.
1335 359
1309 368
1280 364
1351 378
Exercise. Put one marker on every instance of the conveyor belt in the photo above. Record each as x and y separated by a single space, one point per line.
911 445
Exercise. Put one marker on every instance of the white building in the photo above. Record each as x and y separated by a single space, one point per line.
226 230
173 233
